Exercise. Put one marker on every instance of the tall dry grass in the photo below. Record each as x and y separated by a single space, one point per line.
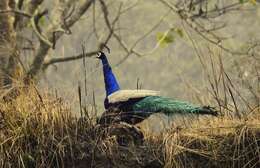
40 131
221 142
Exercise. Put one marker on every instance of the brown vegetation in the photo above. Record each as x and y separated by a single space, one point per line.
39 131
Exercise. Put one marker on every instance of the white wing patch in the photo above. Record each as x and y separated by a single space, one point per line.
124 95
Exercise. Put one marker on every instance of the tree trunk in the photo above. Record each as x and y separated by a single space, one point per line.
57 16
8 62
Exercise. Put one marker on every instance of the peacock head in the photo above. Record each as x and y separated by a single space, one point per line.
101 55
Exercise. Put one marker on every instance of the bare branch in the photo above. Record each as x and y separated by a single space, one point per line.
29 9
67 59
207 35
133 51
77 57
17 12
59 24
33 5
80 56
130 50
130 7
34 23
79 12
108 24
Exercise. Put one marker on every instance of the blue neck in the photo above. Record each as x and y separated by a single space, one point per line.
110 80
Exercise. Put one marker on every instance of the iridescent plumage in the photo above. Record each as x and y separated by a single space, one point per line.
133 106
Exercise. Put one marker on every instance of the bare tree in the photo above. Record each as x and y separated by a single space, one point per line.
7 42
15 16
63 17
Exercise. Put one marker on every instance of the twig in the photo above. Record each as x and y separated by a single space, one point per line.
188 19
131 50
128 50
67 59
17 12
34 23
130 7
90 54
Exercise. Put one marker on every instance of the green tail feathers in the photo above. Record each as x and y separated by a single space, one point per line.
168 106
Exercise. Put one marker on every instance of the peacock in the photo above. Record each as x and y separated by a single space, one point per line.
133 106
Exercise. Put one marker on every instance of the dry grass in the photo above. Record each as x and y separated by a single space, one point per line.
221 142
40 131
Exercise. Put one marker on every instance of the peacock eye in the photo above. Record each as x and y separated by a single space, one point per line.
99 54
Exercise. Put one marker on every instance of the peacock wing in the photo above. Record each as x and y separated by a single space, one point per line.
125 95
168 106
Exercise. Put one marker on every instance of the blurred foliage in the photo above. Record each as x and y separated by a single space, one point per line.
168 37
251 1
